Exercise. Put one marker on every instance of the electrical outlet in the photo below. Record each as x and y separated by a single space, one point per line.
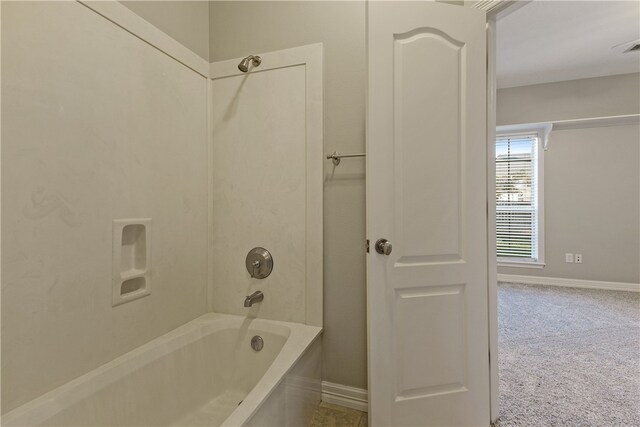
578 258
568 258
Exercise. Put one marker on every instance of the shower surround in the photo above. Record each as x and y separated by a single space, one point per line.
123 122
267 183
97 125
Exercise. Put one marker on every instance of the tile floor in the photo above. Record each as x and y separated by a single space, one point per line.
329 415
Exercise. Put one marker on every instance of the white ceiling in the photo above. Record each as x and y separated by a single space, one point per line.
550 41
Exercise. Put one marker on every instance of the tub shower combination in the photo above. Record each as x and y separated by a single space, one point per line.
219 362
217 370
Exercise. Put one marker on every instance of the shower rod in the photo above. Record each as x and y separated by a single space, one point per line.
336 157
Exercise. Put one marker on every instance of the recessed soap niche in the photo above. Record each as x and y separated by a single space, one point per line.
131 259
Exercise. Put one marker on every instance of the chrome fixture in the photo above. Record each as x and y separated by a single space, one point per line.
254 298
244 64
259 263
335 156
257 343
383 247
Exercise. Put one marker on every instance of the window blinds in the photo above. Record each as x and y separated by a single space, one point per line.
516 197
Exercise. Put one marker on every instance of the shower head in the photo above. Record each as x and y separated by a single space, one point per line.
244 64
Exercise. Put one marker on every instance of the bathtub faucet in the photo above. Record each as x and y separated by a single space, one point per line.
255 297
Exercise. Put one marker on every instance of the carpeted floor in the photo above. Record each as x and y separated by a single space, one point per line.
568 357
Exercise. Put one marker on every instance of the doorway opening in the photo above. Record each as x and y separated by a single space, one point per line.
567 187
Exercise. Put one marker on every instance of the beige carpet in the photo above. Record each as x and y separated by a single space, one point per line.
568 357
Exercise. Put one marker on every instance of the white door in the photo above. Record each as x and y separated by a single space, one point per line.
427 194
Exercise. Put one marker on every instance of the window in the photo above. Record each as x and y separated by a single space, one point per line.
519 233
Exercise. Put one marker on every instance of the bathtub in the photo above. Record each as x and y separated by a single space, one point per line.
204 373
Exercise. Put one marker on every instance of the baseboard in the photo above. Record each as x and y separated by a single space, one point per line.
350 397
570 283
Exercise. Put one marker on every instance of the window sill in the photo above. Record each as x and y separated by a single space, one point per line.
521 264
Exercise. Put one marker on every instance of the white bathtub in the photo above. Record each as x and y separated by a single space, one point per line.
204 373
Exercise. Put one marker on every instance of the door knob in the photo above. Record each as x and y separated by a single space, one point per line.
383 246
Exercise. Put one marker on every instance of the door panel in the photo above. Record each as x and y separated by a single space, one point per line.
435 235
443 371
426 193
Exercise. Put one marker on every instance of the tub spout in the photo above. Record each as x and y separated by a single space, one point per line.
255 297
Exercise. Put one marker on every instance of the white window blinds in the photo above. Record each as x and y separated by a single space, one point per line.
516 197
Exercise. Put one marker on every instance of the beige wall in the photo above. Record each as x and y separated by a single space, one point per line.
186 21
574 99
592 182
242 28
107 128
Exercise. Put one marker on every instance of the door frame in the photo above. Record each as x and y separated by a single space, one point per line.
496 9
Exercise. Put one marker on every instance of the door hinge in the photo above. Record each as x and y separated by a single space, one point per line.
367 245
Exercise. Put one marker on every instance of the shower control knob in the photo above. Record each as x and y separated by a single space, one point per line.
383 247
259 263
